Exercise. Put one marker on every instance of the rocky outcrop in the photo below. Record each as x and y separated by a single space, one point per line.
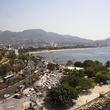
97 104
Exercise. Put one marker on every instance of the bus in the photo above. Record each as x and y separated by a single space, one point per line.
8 77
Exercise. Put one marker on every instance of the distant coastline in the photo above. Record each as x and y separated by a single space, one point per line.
42 51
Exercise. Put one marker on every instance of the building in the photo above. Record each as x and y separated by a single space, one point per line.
15 51
74 68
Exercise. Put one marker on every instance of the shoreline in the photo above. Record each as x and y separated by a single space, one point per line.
42 51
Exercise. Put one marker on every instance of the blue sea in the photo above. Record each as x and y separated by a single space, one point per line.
100 54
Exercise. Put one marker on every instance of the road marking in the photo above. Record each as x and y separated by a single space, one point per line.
18 82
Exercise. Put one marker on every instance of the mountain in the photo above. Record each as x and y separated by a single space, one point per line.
38 37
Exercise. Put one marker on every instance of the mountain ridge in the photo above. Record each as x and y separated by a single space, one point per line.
39 35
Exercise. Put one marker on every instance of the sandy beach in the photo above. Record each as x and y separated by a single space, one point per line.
56 50
42 51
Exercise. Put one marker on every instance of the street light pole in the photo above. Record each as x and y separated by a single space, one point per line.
30 74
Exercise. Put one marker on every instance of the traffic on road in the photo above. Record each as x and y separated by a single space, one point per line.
25 86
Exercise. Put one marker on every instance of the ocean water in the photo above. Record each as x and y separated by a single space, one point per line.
106 108
100 54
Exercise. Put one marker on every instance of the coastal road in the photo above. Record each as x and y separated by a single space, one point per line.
11 90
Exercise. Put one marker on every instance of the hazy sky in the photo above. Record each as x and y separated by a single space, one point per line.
88 19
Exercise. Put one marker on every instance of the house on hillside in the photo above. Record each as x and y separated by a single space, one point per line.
15 51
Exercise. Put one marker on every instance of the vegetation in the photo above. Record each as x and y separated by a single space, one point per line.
78 64
51 66
34 78
107 64
34 59
69 63
1 56
62 94
11 55
76 81
31 49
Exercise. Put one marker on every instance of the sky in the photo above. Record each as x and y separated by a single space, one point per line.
89 19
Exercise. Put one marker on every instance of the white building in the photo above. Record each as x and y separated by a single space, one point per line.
74 68
15 51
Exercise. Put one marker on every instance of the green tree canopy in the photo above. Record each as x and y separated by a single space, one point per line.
69 62
107 64
51 66
78 64
86 83
88 63
90 72
62 94
1 57
23 57
3 53
12 62
11 55
34 78
97 62
102 76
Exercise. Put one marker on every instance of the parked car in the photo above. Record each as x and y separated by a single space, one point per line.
17 96
32 90
27 94
36 89
17 90
40 94
6 96
24 82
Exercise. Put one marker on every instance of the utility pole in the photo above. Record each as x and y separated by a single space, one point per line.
30 75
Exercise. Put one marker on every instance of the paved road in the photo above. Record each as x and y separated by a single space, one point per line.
11 90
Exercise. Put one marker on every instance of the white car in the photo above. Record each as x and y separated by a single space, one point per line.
30 92
33 91
27 94
6 95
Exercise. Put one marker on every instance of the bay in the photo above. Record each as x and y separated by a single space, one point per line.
100 54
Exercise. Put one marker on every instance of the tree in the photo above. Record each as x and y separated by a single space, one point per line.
51 66
90 72
107 64
3 53
86 83
69 63
72 80
34 78
1 57
18 78
9 81
62 94
102 76
4 69
12 62
23 57
88 63
97 62
11 55
78 64
14 79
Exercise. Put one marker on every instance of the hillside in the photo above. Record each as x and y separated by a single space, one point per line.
34 36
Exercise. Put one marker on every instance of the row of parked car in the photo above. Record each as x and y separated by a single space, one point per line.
49 80
32 91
